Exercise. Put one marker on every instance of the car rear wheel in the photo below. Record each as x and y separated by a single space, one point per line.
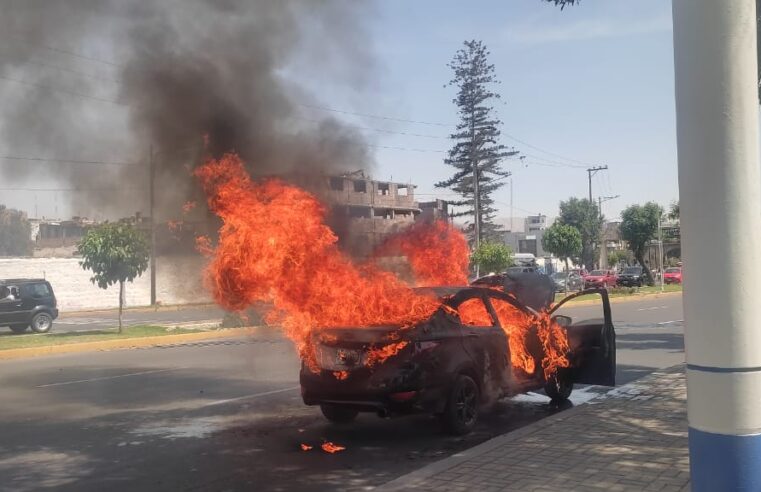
19 328
42 323
461 413
338 414
559 387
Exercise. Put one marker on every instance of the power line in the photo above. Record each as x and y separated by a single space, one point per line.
406 148
380 130
67 161
544 151
64 91
66 52
70 70
389 118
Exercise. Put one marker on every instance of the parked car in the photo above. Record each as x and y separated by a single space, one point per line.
582 272
27 302
600 278
533 289
567 281
449 367
672 276
632 277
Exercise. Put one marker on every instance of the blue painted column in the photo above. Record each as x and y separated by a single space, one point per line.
720 204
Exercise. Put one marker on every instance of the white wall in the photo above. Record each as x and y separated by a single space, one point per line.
179 281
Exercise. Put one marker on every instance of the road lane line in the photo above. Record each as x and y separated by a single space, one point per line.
105 378
247 397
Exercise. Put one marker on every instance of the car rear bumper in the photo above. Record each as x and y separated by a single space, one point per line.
371 392
629 282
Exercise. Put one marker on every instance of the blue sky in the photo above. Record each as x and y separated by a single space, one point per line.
593 83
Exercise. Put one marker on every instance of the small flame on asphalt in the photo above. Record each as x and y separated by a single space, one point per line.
331 448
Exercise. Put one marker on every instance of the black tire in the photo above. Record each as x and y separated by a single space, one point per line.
42 322
338 414
559 387
18 328
461 413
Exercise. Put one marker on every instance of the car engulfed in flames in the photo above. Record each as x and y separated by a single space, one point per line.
480 346
369 340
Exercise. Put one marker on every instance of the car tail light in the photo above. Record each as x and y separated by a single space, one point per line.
338 358
403 396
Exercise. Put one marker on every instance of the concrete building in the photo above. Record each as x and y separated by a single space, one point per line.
365 211
435 210
535 223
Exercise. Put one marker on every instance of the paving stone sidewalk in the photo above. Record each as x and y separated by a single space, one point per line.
633 438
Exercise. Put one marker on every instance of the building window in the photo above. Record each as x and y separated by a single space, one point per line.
383 189
337 184
359 212
360 186
402 190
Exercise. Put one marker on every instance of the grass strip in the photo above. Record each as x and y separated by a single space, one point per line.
10 340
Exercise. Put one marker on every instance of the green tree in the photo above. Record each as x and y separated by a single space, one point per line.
674 211
15 233
476 153
616 257
114 253
492 256
639 225
563 241
585 217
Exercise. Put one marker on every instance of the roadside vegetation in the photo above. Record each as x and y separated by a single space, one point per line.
617 292
8 340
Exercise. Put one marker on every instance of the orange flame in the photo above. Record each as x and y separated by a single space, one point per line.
188 206
306 447
437 253
174 225
331 448
274 247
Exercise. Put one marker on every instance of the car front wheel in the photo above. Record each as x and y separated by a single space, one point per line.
19 328
42 323
461 413
338 414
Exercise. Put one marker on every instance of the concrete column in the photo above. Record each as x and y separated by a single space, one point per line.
720 198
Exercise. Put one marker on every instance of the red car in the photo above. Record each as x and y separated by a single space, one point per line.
672 276
600 278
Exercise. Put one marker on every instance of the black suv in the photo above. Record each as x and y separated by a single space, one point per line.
27 302
631 277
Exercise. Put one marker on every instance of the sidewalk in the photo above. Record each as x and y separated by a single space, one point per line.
634 438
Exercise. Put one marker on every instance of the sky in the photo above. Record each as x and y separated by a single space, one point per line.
587 86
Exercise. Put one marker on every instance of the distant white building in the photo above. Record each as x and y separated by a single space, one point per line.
535 223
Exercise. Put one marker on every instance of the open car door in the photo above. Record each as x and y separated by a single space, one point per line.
591 337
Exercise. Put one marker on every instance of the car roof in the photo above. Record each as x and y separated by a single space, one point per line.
20 280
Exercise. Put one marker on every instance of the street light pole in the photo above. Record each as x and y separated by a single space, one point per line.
152 205
660 251
716 80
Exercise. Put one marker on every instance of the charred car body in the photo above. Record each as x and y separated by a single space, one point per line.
448 366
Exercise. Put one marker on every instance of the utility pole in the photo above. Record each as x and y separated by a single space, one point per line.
660 250
603 244
591 172
152 205
476 191
716 79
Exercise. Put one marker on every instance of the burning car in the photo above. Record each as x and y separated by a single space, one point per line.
482 344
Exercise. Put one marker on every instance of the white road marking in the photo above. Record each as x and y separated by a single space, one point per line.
247 397
662 323
105 378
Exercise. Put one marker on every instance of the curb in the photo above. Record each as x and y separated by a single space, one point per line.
124 343
623 299
418 477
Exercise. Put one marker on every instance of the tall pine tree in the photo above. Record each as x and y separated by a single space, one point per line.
475 151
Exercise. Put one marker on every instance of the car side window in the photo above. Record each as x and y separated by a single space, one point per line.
40 290
509 316
473 312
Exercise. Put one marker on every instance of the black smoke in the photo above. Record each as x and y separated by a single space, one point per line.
109 81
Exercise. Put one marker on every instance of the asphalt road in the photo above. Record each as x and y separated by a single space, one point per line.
227 415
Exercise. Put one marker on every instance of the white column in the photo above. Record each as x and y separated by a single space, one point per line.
720 205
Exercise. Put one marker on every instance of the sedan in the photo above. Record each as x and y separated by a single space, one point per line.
672 276
480 345
600 279
567 281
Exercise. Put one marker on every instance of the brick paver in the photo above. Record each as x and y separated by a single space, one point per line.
634 438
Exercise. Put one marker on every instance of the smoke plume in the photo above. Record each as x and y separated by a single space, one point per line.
108 81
